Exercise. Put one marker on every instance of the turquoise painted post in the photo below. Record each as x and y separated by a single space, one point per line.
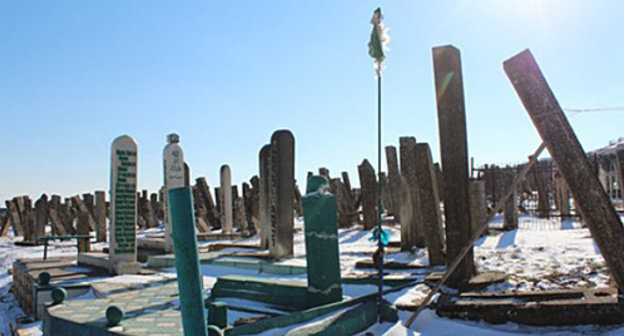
190 284
321 239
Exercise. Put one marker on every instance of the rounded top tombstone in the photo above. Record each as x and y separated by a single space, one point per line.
173 138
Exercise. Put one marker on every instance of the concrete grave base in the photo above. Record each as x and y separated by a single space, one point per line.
101 260
547 308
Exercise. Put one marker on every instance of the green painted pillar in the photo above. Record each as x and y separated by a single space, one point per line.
190 284
321 239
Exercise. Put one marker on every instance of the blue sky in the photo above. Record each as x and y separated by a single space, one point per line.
224 75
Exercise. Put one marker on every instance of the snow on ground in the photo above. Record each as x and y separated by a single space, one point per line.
540 254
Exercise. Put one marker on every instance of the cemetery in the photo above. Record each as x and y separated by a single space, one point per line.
188 260
426 247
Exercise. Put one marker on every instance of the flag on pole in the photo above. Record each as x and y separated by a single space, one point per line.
378 41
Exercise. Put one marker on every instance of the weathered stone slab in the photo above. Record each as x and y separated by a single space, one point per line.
211 210
82 228
264 197
100 216
478 204
429 204
227 216
368 186
282 182
80 206
411 228
41 218
394 182
454 158
604 223
510 211
16 221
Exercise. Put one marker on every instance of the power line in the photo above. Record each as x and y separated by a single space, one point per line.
599 109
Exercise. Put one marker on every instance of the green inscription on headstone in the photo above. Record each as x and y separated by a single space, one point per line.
125 202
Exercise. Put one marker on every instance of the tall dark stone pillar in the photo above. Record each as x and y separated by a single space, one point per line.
282 183
454 157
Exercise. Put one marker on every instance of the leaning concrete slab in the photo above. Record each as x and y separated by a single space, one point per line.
603 221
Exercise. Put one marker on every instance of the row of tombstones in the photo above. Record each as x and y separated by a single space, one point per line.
74 215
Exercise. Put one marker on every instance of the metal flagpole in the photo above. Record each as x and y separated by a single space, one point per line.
379 227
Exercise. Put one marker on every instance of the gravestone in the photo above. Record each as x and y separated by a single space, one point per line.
54 208
100 216
174 177
4 224
16 221
146 210
248 201
89 202
41 217
385 193
282 183
368 186
603 221
510 210
297 199
28 218
454 158
429 204
68 215
562 195
227 217
255 202
80 206
412 230
122 251
478 204
264 197
321 242
241 218
82 228
123 212
211 210
394 182
325 173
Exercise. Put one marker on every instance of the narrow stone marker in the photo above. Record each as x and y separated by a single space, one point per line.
211 209
394 182
174 177
100 216
454 157
225 196
264 197
41 217
429 204
368 185
562 196
123 214
56 223
16 221
548 117
411 229
282 182
4 225
82 207
478 204
510 211
82 228
54 208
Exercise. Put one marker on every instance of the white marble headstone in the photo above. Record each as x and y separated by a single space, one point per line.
123 208
173 159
